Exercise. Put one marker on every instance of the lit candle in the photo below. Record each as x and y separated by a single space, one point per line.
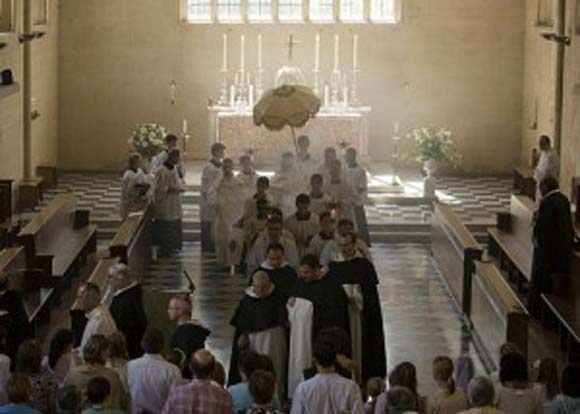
260 51
242 51
225 53
172 86
396 129
336 52
236 79
251 96
317 53
232 95
326 95
184 126
355 52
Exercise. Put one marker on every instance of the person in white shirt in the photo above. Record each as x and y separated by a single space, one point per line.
99 319
357 176
548 165
210 175
341 192
319 202
151 377
247 174
332 253
303 224
135 187
329 157
161 158
305 162
327 392
324 236
286 184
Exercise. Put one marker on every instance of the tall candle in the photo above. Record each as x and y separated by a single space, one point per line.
232 95
355 52
225 53
336 52
242 51
184 126
236 79
345 95
260 51
251 96
396 129
317 53
326 96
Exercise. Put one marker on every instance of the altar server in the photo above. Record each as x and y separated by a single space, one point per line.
247 174
357 176
341 192
135 187
161 158
305 162
167 203
329 157
210 175
262 193
319 201
229 194
333 253
324 236
303 224
548 165
286 184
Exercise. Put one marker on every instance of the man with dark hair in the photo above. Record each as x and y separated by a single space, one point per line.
158 161
200 395
250 361
262 386
332 253
400 400
99 319
274 235
16 321
319 202
327 392
19 390
305 162
324 236
303 224
69 400
151 377
98 396
211 173
553 241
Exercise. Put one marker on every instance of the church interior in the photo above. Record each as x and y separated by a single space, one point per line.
463 115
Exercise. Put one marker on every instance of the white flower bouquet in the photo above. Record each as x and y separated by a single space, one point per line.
148 140
432 143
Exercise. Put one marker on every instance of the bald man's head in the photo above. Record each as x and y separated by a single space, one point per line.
202 364
262 284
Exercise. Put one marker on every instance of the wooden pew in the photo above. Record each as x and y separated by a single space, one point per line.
511 242
524 182
25 282
497 314
133 241
454 249
99 277
58 239
564 304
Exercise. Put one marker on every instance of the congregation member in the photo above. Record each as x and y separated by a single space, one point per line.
60 356
118 357
200 395
447 398
357 176
151 377
305 163
247 175
19 390
548 165
400 400
167 206
162 157
403 375
255 224
303 224
548 377
481 396
375 387
324 236
341 192
344 366
4 365
333 253
553 241
262 387
261 317
127 307
98 396
568 401
99 319
327 392
286 184
319 201
516 394
95 356
69 400
210 175
354 270
330 157
228 195
189 336
274 235
16 321
135 186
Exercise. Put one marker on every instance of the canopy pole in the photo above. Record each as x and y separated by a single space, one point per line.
294 140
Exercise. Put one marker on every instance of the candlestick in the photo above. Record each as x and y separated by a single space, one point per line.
317 53
242 51
260 51
172 87
326 96
396 128
251 97
225 53
316 88
354 102
184 127
355 52
336 52
232 95
345 96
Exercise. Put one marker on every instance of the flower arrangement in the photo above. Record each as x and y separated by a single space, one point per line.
148 140
432 143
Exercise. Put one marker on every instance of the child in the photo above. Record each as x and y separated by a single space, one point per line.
98 395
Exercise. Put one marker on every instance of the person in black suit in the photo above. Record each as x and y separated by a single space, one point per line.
16 320
553 241
127 308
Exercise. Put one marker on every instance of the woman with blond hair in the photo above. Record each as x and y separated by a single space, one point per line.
447 399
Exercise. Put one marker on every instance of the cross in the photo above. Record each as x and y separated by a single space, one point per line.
291 43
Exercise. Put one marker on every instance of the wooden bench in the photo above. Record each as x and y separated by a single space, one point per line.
99 277
511 242
524 182
564 304
24 281
497 314
454 249
58 239
133 241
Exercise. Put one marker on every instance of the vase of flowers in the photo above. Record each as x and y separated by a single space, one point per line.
148 140
433 147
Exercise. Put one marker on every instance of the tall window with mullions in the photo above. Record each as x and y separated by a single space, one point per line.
199 10
260 10
384 11
229 10
352 11
322 10
290 10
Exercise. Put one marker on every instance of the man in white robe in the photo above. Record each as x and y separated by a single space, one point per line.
167 206
135 187
247 174
341 193
229 194
287 184
357 176
300 313
273 235
262 193
324 236
305 162
332 252
319 201
160 159
303 224
329 157
548 165
210 175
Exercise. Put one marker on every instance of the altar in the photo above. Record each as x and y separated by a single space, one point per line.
237 131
